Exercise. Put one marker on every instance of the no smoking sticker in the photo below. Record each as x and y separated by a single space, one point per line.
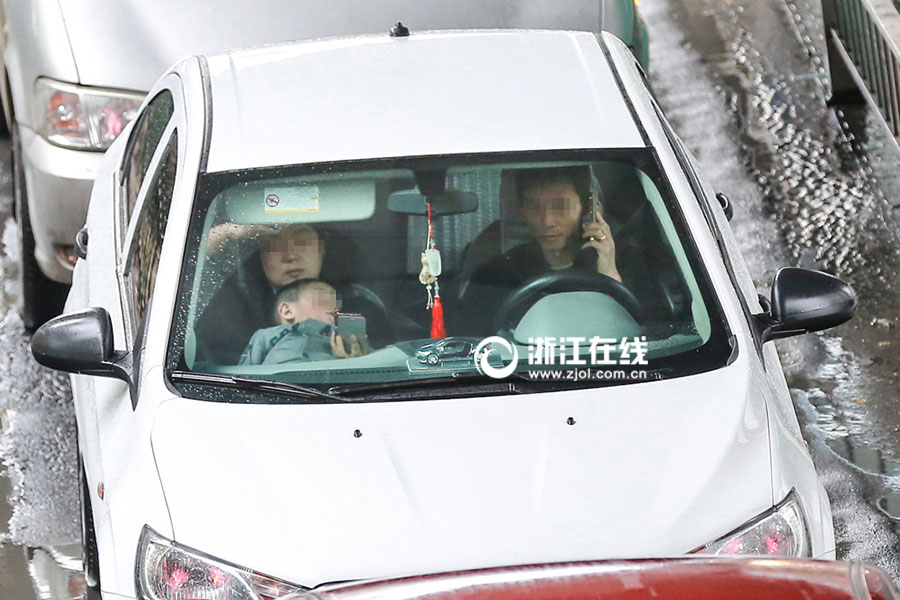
302 198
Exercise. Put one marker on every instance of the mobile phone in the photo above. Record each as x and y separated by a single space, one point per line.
347 324
586 258
587 218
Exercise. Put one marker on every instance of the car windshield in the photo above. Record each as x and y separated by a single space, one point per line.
386 274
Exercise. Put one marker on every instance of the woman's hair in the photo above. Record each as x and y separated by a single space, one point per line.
343 260
579 177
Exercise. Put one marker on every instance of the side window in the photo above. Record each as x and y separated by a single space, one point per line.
148 237
143 142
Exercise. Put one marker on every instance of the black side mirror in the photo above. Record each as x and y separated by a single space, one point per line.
804 300
726 205
81 342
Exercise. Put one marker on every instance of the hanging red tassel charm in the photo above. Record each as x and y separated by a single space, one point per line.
428 276
437 320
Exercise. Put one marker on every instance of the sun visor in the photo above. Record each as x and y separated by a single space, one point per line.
301 201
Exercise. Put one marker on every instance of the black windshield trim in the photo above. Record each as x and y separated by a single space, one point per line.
711 355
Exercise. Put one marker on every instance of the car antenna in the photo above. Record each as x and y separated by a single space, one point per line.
399 30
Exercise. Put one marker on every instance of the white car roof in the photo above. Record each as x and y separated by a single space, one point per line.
430 93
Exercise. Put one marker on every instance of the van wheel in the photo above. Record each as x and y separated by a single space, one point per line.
40 298
89 554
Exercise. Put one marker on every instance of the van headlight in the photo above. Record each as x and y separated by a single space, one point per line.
85 118
780 531
165 570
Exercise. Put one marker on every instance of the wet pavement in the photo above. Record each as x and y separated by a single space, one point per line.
39 522
742 82
14 580
812 185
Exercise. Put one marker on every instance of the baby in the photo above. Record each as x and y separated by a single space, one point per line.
305 311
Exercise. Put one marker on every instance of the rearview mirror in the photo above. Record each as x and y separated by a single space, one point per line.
81 342
449 202
803 301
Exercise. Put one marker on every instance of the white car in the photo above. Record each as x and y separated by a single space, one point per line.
639 410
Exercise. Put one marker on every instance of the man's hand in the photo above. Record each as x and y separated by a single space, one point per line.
599 237
357 347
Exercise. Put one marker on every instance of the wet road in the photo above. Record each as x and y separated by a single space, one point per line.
741 81
37 446
812 186
14 580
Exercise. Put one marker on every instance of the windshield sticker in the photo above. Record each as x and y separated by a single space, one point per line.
304 198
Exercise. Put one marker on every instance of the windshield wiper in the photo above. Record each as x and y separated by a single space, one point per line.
451 381
252 383
467 383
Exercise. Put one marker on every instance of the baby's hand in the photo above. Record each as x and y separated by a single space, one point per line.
357 347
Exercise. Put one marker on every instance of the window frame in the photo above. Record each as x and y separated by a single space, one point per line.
122 217
128 276
719 349
126 231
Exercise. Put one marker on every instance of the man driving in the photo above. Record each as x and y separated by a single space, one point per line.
566 233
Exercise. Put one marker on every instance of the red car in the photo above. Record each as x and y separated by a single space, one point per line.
663 579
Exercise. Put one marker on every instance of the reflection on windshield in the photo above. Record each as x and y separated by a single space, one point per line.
395 272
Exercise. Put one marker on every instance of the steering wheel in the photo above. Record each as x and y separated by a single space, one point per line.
357 290
568 280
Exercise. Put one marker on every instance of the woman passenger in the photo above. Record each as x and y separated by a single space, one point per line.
243 304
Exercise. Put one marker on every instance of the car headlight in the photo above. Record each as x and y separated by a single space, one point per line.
780 531
81 117
168 571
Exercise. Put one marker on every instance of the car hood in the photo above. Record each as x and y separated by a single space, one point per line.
130 43
317 493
